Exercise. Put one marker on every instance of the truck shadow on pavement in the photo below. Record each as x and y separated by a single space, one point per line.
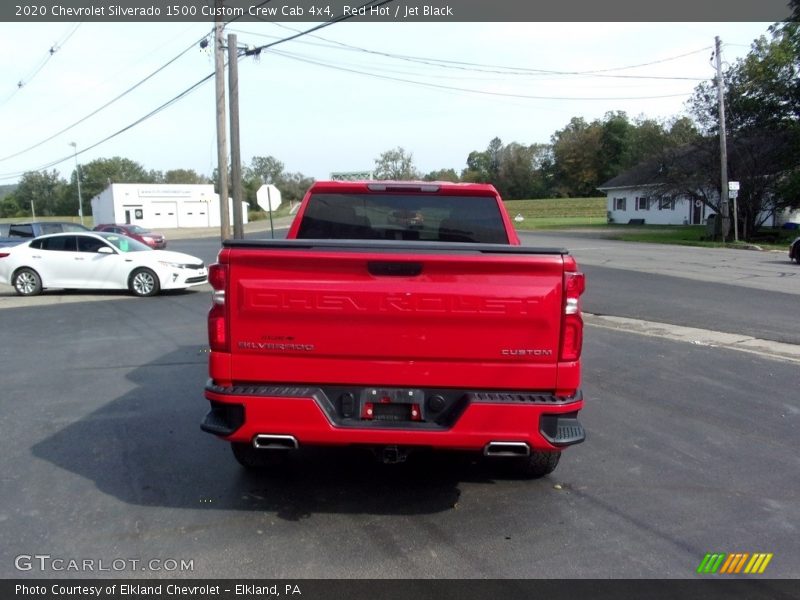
145 448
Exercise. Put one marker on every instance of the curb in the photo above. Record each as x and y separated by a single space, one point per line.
699 337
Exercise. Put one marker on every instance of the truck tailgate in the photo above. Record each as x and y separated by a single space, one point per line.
419 315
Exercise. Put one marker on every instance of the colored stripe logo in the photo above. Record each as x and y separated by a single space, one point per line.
733 564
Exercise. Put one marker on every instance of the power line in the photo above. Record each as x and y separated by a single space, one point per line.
180 96
106 105
469 90
399 70
50 53
507 70
152 113
257 50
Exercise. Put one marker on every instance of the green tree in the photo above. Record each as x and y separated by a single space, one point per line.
396 165
39 191
762 99
293 186
516 171
97 175
9 207
267 168
577 154
484 166
615 145
442 175
185 176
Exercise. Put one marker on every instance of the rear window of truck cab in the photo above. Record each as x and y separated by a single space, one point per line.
474 219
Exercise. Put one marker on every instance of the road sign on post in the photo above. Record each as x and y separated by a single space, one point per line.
733 193
269 198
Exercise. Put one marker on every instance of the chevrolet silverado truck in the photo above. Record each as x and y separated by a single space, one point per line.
398 316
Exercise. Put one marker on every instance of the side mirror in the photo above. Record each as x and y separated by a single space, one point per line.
105 250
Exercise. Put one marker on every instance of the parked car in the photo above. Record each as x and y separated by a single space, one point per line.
97 260
12 234
151 238
794 250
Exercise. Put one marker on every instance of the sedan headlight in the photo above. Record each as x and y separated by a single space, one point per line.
173 265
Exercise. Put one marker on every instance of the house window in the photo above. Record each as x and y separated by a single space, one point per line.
643 203
666 205
619 203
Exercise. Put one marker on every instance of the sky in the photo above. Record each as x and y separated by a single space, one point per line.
335 100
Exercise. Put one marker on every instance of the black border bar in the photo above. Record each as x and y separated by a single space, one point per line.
707 588
396 11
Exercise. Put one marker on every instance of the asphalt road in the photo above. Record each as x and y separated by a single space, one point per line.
690 450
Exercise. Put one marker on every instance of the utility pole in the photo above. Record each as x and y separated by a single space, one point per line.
78 180
723 214
222 144
236 155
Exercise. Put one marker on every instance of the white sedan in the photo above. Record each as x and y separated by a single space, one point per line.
97 260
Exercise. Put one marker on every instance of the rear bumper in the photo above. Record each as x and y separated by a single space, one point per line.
313 416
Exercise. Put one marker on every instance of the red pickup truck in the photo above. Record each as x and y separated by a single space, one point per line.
397 316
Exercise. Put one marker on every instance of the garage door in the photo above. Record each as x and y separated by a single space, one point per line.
193 214
164 214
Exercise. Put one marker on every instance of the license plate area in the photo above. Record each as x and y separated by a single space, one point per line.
396 405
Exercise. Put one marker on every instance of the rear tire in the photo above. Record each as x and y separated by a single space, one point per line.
538 464
254 459
27 282
143 282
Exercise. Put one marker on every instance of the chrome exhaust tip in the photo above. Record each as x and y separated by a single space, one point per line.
265 441
507 449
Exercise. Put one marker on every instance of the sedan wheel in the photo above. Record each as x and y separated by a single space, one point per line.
143 282
27 282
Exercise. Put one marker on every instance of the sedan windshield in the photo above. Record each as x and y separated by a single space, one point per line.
124 243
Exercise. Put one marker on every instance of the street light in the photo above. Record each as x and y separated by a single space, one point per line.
78 179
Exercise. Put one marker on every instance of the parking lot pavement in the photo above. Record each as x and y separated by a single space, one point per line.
690 450
252 229
768 271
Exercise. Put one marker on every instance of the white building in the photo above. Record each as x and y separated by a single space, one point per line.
633 196
160 206
636 202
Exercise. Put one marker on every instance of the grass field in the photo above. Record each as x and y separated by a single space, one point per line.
87 220
695 235
558 212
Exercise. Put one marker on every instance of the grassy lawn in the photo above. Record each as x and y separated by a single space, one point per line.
553 213
88 221
695 235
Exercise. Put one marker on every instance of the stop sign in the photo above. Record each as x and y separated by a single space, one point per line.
268 197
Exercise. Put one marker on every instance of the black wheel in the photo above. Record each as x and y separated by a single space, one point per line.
252 458
27 282
143 282
538 464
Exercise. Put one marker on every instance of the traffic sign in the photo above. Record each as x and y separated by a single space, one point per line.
268 197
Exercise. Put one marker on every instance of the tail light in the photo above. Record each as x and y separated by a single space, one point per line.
3 254
218 338
572 327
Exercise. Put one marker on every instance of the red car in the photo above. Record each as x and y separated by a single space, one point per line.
153 239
